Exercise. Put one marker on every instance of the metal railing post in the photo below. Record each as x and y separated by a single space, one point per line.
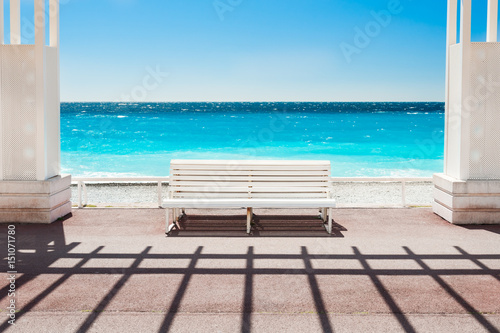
85 194
83 197
160 201
80 195
403 193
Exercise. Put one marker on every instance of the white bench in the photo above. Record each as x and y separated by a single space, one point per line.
248 184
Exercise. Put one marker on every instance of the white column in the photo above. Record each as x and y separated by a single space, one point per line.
54 22
1 23
465 21
465 40
492 24
451 39
451 31
15 22
33 108
40 88
469 190
54 43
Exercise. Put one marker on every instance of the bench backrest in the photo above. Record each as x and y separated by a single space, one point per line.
249 179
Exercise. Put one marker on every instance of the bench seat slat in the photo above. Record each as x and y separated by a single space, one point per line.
248 183
250 162
249 168
254 203
218 189
245 195
298 178
174 173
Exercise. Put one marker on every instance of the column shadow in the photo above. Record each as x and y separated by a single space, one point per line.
41 246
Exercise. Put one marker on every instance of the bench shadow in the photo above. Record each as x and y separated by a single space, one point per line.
41 245
262 226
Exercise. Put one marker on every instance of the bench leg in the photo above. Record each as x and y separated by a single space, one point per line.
169 225
249 219
178 213
330 219
323 214
167 220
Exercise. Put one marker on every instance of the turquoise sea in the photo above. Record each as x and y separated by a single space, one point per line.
360 139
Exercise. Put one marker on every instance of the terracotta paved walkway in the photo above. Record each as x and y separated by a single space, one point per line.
384 270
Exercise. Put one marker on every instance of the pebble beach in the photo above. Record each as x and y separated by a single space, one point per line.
347 194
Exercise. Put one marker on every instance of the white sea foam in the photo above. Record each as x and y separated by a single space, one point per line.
104 174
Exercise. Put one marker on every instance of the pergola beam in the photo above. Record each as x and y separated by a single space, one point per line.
54 22
15 22
40 87
465 21
492 23
1 23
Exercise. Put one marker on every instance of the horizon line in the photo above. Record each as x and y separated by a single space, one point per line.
132 102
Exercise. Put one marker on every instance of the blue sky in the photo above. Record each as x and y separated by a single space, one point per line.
254 50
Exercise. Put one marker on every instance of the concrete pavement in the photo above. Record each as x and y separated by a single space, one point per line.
383 270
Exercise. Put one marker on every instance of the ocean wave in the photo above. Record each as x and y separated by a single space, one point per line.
103 174
146 140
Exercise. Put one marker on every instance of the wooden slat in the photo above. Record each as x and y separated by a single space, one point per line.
255 203
252 178
253 195
210 195
246 189
175 173
288 189
213 180
249 168
248 184
211 188
250 162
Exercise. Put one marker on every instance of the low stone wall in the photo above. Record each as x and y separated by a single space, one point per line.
35 201
467 202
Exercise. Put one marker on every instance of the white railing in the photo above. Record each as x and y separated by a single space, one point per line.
83 199
403 182
82 186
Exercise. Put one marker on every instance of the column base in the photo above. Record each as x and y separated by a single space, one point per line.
35 201
467 202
